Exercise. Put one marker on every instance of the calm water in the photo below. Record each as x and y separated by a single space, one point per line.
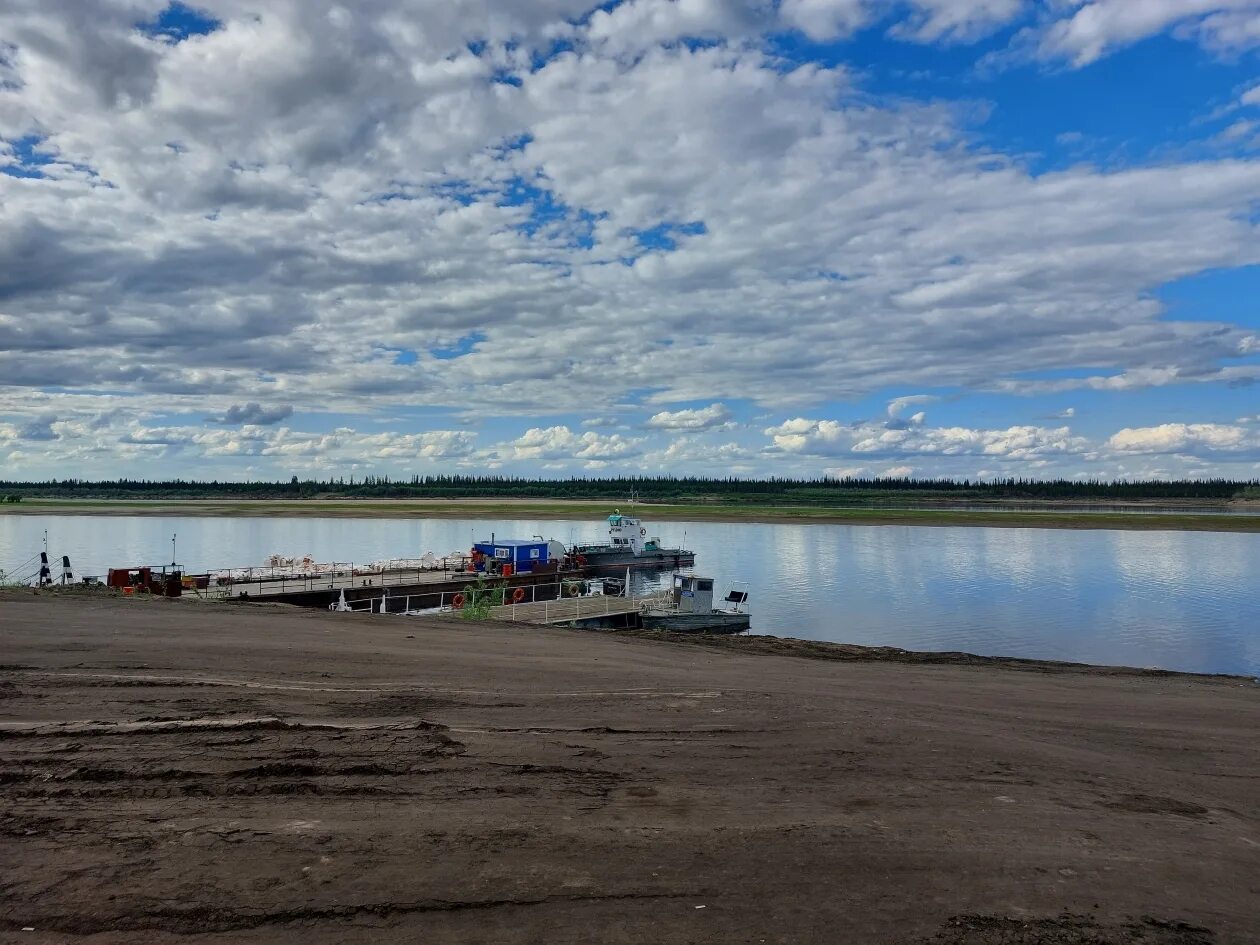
1178 600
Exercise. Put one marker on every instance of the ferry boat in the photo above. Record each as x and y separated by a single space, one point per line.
629 546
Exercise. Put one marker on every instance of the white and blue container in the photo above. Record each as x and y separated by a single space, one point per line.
521 557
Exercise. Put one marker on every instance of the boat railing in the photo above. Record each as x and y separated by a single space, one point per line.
553 597
261 582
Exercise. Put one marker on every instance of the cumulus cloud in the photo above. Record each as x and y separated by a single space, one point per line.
825 19
832 438
561 443
254 413
704 418
115 438
1183 437
507 209
269 250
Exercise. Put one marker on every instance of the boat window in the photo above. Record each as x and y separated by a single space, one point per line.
704 585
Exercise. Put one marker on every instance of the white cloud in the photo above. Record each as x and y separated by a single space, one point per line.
898 404
562 443
259 261
920 21
116 439
832 438
704 418
338 207
638 24
825 19
1098 27
1183 437
1251 96
846 472
957 20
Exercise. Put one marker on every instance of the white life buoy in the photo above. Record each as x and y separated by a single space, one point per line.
642 532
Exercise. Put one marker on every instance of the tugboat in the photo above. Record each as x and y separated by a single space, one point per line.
629 546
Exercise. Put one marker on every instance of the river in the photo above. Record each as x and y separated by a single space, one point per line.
1175 600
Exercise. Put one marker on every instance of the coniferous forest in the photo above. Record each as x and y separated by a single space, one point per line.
823 491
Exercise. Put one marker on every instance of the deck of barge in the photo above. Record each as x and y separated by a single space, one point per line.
600 610
395 591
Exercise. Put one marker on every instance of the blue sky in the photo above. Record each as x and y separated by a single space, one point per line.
847 237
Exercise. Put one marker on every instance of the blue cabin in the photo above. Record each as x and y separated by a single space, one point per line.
520 557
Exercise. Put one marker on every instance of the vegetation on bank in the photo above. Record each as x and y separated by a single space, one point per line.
649 489
1187 519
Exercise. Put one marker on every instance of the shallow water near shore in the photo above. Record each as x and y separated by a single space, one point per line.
1176 600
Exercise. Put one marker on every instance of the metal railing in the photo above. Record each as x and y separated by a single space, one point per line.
455 601
554 596
346 578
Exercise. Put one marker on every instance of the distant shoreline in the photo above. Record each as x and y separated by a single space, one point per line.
1181 517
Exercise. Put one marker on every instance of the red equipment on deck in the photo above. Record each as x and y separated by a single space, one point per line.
146 580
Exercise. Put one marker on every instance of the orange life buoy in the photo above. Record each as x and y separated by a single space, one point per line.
458 601
518 595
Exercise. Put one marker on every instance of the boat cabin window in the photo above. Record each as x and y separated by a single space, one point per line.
704 585
503 554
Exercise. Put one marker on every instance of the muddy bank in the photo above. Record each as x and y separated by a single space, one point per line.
853 653
273 776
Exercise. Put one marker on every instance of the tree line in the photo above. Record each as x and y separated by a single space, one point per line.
824 490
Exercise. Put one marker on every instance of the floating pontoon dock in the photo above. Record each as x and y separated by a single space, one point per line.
598 611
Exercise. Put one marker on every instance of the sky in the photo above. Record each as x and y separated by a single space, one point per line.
252 239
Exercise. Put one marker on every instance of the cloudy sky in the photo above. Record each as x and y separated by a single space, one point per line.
262 238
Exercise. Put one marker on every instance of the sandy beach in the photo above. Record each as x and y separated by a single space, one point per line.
266 775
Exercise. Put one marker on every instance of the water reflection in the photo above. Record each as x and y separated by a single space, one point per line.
1181 600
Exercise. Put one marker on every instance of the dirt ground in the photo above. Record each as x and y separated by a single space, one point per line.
174 771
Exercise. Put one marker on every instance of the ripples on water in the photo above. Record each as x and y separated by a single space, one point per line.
1178 600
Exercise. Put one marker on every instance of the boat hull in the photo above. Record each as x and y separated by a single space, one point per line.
614 561
716 622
